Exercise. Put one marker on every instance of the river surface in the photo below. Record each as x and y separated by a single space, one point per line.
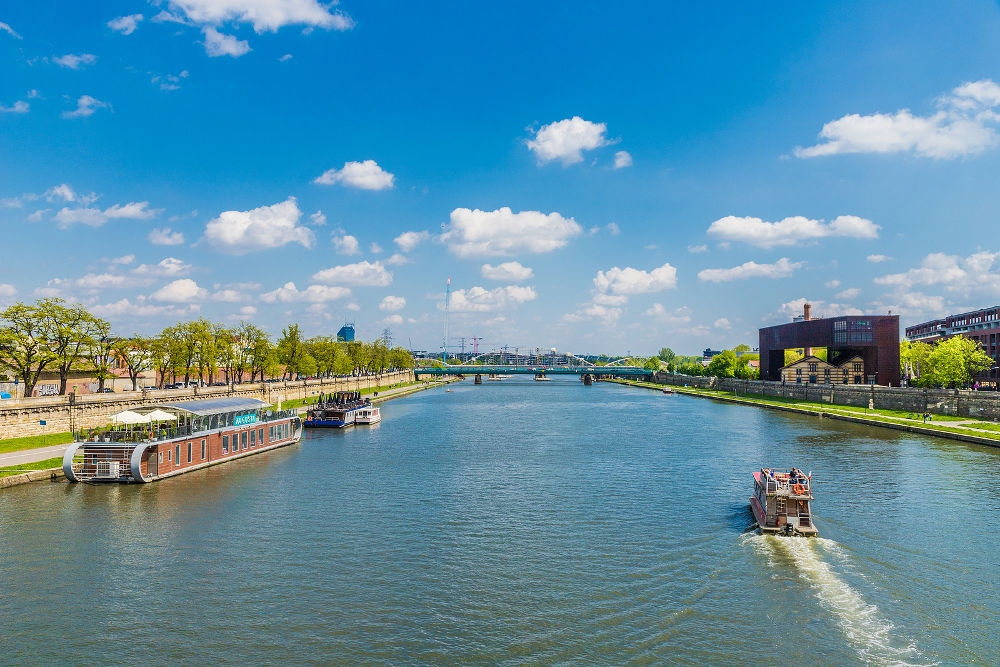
520 523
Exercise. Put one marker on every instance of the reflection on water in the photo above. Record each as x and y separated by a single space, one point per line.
519 522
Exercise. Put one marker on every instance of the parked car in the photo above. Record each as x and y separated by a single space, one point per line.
106 390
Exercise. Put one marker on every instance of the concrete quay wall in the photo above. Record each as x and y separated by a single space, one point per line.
21 417
953 402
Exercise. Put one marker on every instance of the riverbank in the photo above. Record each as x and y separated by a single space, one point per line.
981 433
385 393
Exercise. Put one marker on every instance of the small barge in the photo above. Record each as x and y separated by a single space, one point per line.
338 410
780 502
153 442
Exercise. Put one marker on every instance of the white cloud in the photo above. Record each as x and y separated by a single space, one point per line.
674 317
85 106
166 267
10 31
636 281
481 300
248 311
365 175
263 15
819 309
352 307
220 44
780 269
347 245
285 58
140 308
393 319
229 296
102 280
95 217
240 232
183 290
511 272
565 140
375 248
124 260
613 228
317 219
722 323
832 284
165 237
407 241
695 249
963 125
623 159
978 272
503 232
397 258
849 293
312 294
369 274
74 61
878 259
602 299
66 193
790 231
126 25
17 107
392 303
595 311
7 291
38 215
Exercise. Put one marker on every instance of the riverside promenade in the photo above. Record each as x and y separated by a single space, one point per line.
9 460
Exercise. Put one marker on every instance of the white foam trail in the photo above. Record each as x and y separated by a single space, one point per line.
866 630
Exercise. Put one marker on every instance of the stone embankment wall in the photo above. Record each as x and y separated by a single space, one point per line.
21 417
954 402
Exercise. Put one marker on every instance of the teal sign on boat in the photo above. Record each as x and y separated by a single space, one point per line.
242 420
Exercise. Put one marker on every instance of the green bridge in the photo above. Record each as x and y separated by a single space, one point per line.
617 371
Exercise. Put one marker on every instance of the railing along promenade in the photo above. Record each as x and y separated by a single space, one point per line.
22 416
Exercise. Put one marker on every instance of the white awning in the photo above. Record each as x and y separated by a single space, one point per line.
129 417
160 416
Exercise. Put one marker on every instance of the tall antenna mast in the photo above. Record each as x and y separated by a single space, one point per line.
447 305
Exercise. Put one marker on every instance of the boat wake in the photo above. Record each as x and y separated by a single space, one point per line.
867 631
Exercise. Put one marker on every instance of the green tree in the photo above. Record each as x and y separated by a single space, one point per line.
134 352
723 365
103 353
24 342
72 332
667 356
916 353
291 349
742 349
954 361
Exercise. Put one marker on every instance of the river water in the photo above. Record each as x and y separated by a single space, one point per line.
520 523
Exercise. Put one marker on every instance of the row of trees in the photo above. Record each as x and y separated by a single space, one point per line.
953 362
52 335
727 364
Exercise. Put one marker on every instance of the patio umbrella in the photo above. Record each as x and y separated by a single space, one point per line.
129 417
160 416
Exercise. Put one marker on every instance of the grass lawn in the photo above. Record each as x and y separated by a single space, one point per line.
25 467
32 441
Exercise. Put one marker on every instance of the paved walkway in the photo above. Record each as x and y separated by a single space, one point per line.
31 455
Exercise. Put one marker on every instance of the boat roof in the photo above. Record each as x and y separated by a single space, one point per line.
216 406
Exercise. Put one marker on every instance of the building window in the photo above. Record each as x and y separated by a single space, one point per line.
812 379
826 372
857 367
202 450
857 379
225 444
813 366
798 371
798 380
189 451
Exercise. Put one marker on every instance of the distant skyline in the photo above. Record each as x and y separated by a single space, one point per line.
593 178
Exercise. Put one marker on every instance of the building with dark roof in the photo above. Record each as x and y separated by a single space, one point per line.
874 338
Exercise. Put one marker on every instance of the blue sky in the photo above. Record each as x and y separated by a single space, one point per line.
591 177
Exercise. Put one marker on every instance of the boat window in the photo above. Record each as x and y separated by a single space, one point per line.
177 454
243 440
168 455
189 452
260 436
215 422
159 457
225 444
270 433
202 450
253 438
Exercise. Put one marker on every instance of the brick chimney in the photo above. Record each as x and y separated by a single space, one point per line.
806 316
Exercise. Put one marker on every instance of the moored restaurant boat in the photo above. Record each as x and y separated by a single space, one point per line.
336 410
368 415
153 442
780 502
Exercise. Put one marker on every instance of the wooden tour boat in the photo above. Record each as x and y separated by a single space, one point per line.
153 442
780 502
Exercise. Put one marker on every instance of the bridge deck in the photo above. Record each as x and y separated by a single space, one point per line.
630 371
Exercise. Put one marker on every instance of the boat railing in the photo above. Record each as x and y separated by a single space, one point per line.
159 434
781 480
